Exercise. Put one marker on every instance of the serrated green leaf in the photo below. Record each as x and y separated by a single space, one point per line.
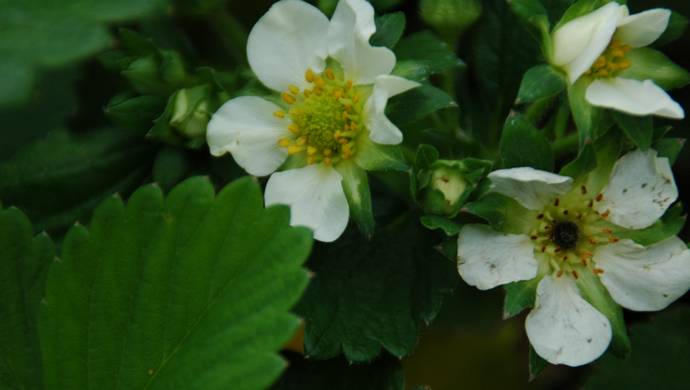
369 295
650 64
356 186
421 55
337 374
61 178
669 148
417 103
659 360
640 130
24 260
191 291
389 29
522 145
594 292
540 82
519 296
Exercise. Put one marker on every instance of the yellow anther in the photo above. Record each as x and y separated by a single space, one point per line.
311 160
348 86
284 142
338 94
354 126
327 152
293 128
311 150
330 74
617 53
294 89
279 114
307 93
301 141
327 161
356 98
287 98
309 75
600 62
318 81
294 149
624 64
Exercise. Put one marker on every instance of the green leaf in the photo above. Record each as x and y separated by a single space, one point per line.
61 178
540 82
368 295
421 55
533 12
337 374
659 360
640 130
417 103
669 148
651 64
434 222
676 27
536 364
522 145
374 157
389 29
502 213
24 260
356 186
594 292
587 117
519 296
584 163
670 224
171 166
192 292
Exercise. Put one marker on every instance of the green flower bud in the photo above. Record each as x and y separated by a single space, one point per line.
447 188
450 17
186 116
143 74
136 112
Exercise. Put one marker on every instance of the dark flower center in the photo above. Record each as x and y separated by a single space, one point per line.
566 235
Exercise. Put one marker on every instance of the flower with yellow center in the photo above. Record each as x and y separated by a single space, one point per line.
568 236
605 47
333 88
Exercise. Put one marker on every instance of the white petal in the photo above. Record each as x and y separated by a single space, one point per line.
382 130
316 199
531 187
578 43
351 27
644 28
285 42
640 190
633 97
246 127
645 279
487 258
563 328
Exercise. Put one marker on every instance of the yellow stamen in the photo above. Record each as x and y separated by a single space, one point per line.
287 98
279 114
294 89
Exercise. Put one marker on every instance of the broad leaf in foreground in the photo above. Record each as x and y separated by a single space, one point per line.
368 295
191 291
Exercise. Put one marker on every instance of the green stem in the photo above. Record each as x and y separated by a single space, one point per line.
562 118
231 33
536 110
565 145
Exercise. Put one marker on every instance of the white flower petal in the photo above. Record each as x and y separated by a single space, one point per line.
381 129
644 28
633 97
645 279
285 42
487 258
640 190
578 43
316 199
531 187
351 27
246 127
563 328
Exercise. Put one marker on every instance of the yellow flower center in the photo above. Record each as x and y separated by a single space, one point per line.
568 231
325 118
611 61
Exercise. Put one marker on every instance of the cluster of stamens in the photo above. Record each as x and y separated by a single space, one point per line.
566 236
611 61
325 118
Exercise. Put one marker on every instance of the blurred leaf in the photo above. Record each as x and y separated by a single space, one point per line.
59 179
640 130
659 359
541 81
422 54
170 167
522 145
389 29
368 295
191 292
417 103
24 260
337 374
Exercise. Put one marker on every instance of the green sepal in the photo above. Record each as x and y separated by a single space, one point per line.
434 222
640 130
541 82
650 64
675 29
584 163
356 187
669 148
502 213
581 8
519 296
389 29
523 145
537 364
606 150
587 117
594 292
136 112
670 224
371 156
